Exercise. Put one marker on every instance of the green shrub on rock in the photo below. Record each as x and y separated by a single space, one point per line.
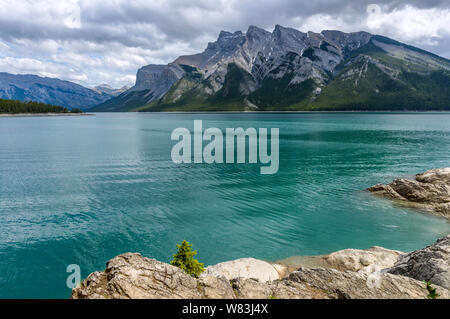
184 259
432 291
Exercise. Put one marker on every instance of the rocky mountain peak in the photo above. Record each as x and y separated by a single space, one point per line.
104 86
280 31
342 39
255 34
226 39
297 68
225 35
252 29
108 89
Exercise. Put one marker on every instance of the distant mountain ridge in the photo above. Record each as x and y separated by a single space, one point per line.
107 89
49 90
287 69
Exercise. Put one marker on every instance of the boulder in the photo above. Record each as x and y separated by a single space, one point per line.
374 258
132 276
246 268
429 191
428 264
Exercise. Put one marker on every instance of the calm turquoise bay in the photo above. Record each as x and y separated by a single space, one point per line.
81 190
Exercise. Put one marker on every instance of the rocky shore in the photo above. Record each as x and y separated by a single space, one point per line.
376 273
429 191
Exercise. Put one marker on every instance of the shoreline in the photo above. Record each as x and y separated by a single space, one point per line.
374 273
44 114
285 112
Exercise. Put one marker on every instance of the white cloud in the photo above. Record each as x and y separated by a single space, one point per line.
319 22
410 23
130 78
66 13
3 47
30 66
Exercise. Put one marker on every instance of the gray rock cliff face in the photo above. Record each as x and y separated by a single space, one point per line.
266 54
157 78
152 82
136 277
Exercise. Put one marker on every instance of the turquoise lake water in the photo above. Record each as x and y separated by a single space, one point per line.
81 190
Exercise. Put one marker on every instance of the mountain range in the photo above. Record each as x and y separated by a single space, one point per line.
109 90
286 70
53 91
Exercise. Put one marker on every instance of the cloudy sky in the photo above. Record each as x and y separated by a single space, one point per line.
92 41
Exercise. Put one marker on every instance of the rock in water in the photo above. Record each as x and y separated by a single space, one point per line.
441 175
429 264
429 191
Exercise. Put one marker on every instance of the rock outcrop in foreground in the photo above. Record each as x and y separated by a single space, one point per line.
429 264
133 276
429 191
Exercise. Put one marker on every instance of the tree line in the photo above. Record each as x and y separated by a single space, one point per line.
15 107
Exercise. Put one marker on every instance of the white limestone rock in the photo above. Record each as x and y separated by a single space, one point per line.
246 268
